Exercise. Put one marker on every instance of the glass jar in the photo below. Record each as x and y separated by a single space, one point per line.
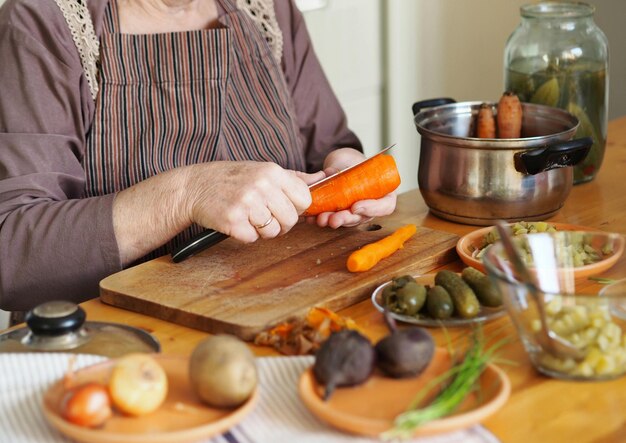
558 57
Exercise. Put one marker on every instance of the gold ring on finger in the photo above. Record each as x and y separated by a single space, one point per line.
267 222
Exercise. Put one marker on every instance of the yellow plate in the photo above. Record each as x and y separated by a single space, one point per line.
181 418
369 409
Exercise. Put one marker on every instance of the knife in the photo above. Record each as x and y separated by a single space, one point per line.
210 237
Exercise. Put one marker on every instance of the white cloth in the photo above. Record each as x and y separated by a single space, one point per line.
279 416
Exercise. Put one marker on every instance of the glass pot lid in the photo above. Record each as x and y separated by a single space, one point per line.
60 326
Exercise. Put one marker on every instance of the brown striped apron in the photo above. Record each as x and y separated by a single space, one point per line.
174 99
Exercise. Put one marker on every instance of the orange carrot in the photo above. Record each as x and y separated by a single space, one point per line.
371 179
509 116
486 122
366 258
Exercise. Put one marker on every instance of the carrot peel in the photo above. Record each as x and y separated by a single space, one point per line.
369 255
372 179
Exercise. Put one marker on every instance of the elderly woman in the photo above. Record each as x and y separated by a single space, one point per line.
126 126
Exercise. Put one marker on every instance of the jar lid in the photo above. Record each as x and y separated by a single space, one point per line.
60 326
557 10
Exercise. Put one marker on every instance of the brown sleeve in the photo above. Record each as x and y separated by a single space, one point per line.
322 121
55 244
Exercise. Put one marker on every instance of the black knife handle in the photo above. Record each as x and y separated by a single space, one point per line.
200 242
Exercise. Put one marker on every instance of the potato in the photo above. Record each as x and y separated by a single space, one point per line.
222 371
138 384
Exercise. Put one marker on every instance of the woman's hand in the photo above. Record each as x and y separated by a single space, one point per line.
361 211
248 200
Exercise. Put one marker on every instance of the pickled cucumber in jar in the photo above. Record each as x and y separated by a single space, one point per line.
580 89
558 57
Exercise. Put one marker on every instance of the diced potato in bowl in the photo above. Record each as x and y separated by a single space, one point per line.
578 310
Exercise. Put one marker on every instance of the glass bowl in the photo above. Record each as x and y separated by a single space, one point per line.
580 310
613 290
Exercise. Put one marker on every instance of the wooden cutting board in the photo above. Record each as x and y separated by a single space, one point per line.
243 289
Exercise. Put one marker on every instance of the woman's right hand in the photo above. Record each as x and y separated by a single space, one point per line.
247 200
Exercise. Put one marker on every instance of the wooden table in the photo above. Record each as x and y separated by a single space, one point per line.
540 409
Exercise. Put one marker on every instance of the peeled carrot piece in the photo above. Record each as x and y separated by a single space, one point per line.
509 116
371 179
486 122
369 255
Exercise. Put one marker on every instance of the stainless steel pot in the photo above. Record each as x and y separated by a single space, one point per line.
476 181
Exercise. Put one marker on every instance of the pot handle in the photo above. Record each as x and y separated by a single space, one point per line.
418 106
558 155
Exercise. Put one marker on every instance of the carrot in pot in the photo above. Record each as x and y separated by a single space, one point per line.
371 179
509 116
486 122
369 255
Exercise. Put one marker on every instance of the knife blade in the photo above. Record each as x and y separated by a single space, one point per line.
211 237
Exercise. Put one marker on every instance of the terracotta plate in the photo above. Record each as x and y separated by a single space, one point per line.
181 418
370 409
485 313
469 244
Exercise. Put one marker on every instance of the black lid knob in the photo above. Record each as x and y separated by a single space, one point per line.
55 318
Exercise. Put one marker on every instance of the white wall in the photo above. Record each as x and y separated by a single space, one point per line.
610 16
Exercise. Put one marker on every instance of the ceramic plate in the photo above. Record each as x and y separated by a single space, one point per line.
468 245
484 314
182 417
369 409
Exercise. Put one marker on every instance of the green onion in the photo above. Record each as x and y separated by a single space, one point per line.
602 280
462 379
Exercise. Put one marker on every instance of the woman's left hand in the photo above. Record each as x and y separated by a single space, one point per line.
361 211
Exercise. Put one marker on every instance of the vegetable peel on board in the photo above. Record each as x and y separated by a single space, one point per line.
369 255
304 336
372 179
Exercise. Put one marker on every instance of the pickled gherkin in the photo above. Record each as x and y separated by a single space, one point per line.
411 298
389 297
448 296
577 86
486 292
404 296
548 93
439 304
399 282
465 301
